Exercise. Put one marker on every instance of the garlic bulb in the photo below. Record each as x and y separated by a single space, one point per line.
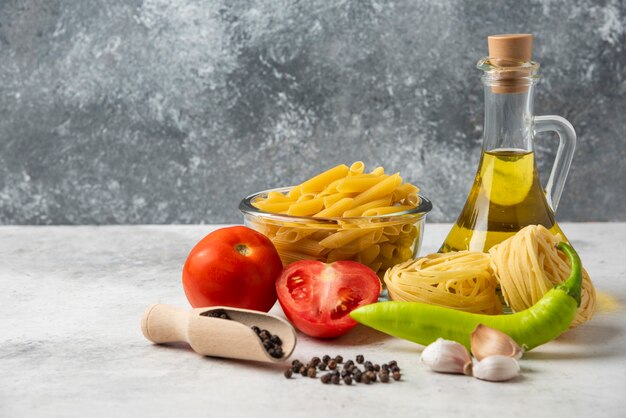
496 368
446 356
487 341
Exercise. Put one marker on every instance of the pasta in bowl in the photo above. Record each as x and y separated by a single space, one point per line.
342 214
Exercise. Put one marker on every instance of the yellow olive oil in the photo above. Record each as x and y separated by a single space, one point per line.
506 196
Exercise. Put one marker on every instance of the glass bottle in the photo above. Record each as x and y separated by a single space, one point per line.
507 194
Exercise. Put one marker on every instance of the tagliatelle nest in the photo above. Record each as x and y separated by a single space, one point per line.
528 264
461 280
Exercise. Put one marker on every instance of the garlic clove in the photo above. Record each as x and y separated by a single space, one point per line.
446 356
487 341
496 368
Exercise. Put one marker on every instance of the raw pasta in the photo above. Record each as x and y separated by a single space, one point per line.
461 280
528 264
353 200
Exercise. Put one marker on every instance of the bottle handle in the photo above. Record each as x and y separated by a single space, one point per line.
564 154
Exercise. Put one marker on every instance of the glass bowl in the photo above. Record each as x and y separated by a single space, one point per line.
376 241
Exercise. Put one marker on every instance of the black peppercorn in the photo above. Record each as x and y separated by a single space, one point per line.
332 365
275 339
326 358
348 363
344 373
288 373
376 367
312 372
338 359
278 352
392 363
256 329
384 377
315 361
335 380
372 376
358 376
384 367
303 370
395 369
326 378
360 359
396 375
321 366
365 379
347 380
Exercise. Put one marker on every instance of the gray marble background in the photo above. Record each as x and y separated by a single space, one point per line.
170 111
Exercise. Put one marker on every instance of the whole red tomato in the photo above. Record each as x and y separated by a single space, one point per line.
318 297
234 266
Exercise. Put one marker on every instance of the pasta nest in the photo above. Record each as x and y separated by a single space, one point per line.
461 280
528 264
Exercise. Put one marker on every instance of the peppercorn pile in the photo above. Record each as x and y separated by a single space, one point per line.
271 342
349 373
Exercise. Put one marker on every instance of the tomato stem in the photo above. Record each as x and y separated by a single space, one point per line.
243 249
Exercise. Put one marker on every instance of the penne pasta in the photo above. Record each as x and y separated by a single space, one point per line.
348 202
339 254
306 196
288 234
341 238
388 250
412 199
358 211
319 182
358 184
306 207
295 193
336 209
369 254
276 197
277 207
403 190
304 246
386 210
288 257
356 168
334 198
378 191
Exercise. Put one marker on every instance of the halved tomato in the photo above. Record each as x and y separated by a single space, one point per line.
317 297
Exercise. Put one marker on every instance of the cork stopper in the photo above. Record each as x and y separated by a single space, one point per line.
510 50
518 47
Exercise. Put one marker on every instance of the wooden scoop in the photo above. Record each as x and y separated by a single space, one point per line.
215 336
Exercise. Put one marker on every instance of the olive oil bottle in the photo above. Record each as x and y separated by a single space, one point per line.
507 194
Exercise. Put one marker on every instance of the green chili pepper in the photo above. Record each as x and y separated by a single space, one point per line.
423 323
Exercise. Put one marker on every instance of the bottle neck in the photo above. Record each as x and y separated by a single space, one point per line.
508 119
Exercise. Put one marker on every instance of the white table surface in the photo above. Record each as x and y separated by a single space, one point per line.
71 300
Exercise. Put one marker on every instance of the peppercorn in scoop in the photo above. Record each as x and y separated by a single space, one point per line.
271 342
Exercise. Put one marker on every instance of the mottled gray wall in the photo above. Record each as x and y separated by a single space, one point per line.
158 111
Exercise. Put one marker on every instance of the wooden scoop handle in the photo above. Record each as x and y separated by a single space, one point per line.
165 324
